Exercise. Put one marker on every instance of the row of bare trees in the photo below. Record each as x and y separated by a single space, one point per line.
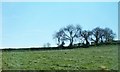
72 33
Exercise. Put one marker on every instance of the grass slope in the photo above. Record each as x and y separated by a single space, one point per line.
93 58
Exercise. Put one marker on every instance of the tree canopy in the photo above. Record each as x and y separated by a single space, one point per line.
70 33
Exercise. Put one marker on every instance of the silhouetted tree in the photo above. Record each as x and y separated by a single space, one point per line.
86 35
57 36
98 34
62 44
108 35
60 36
68 33
72 32
101 35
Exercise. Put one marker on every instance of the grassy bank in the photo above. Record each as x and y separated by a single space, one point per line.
93 58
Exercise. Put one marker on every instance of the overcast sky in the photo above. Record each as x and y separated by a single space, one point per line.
31 24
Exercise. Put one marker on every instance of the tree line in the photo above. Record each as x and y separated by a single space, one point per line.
72 33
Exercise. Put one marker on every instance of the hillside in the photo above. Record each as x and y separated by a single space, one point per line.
93 58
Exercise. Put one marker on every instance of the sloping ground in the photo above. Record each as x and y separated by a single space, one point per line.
93 58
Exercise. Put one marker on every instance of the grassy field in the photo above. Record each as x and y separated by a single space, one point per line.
93 58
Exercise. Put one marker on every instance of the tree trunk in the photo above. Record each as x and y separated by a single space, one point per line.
96 42
87 43
58 41
71 42
101 40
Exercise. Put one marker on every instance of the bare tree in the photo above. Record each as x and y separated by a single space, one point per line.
68 33
72 32
98 34
102 34
108 35
86 35
57 36
47 45
60 36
